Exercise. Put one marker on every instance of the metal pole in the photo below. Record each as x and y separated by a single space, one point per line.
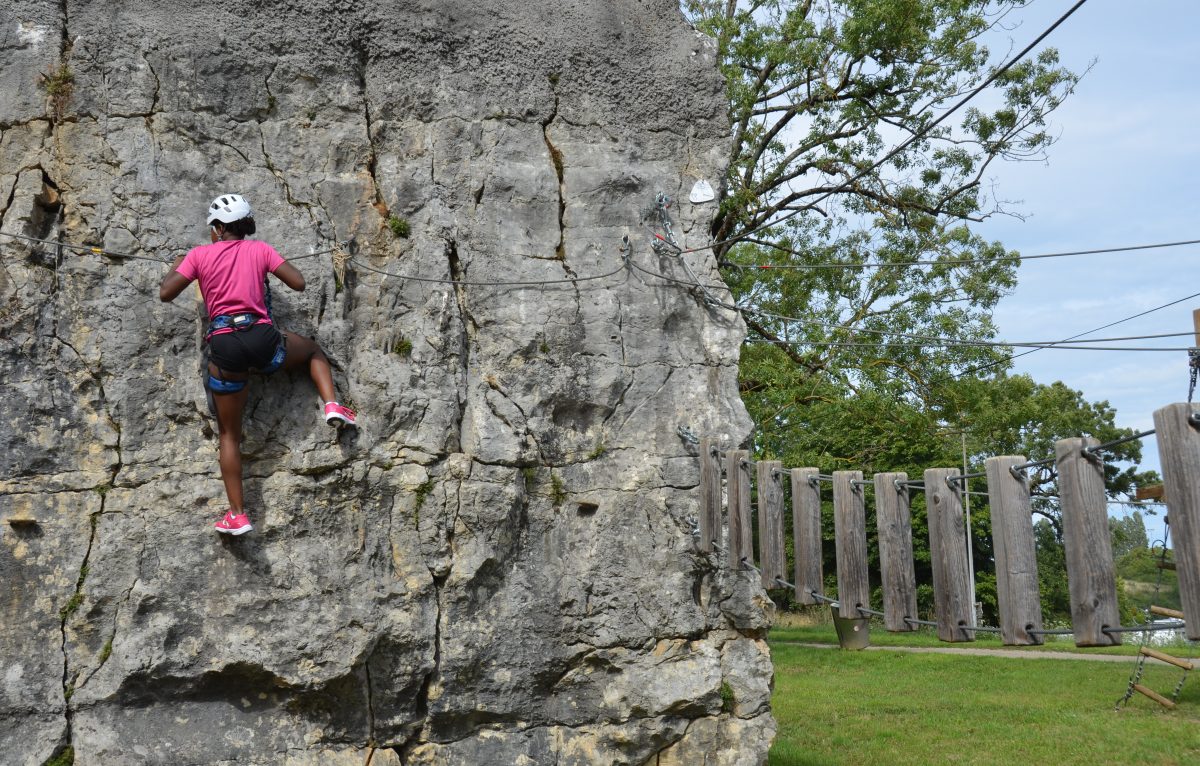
967 510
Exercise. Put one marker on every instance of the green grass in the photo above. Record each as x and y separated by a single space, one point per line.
64 758
838 707
825 634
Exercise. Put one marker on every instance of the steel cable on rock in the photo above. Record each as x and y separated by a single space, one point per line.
502 283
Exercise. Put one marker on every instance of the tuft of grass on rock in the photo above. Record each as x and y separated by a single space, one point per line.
399 227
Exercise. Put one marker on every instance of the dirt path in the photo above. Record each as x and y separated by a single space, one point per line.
1019 653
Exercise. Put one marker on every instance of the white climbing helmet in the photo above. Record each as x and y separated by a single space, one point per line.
229 208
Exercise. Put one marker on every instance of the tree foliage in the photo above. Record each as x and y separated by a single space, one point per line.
869 335
840 180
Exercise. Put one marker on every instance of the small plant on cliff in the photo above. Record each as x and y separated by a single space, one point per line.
399 226
402 346
728 700
72 604
419 495
597 451
106 651
64 758
558 491
58 84
529 477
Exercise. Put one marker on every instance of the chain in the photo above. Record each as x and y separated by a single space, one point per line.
688 435
667 244
1194 364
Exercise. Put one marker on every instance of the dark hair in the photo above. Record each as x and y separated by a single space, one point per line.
243 227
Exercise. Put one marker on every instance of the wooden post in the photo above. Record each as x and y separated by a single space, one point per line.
710 495
948 549
899 578
772 562
1179 455
1016 554
850 534
737 478
806 531
1091 575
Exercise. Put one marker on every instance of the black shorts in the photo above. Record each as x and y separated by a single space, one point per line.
251 349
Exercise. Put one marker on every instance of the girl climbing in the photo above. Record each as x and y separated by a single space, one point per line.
241 336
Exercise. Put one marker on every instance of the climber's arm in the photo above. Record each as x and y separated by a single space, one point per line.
290 276
173 283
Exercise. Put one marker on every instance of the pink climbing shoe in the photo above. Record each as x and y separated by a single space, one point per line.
234 524
337 415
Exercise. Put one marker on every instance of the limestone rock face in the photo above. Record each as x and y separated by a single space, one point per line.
499 566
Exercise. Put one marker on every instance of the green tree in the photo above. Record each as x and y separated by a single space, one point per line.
847 177
1128 535
820 93
839 176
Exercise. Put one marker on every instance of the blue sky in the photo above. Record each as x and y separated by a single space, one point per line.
1122 173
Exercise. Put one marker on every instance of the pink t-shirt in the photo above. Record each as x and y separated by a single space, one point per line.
231 275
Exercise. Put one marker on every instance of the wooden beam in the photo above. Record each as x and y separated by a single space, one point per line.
1017 589
850 532
1179 454
1162 611
948 549
772 560
1091 574
1163 657
710 495
1152 492
737 482
1154 696
894 522
806 530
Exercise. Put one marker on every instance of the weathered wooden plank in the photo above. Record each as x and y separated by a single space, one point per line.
1154 696
806 531
1164 657
898 576
948 549
850 537
737 485
1152 492
1179 454
1091 575
773 558
1163 611
710 495
1016 552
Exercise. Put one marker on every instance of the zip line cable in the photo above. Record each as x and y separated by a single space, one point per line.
915 137
937 340
947 342
945 262
930 340
989 365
